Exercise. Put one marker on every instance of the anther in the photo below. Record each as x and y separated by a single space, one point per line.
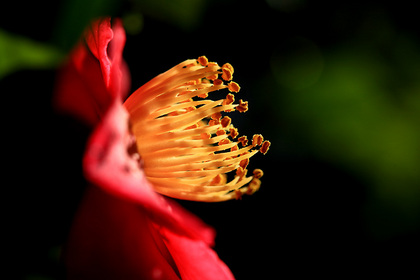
233 132
253 186
241 172
203 95
203 60
226 121
227 74
243 140
212 77
217 82
243 106
230 98
265 146
218 180
238 194
258 173
192 126
224 142
220 132
205 136
244 163
257 140
214 122
216 116
228 66
233 87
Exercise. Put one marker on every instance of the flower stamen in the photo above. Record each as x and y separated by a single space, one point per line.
187 146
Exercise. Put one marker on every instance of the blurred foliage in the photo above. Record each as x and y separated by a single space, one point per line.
133 22
75 15
17 52
355 107
185 14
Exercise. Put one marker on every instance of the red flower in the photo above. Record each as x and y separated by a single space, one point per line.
124 228
95 73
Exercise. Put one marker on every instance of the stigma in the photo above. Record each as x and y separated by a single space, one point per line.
189 149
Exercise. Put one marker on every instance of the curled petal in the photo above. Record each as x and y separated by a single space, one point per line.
109 165
95 73
107 45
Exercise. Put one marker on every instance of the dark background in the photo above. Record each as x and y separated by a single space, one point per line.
334 86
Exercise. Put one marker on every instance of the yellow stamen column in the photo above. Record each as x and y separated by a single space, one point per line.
186 145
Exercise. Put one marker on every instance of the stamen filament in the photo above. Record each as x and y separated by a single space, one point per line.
180 164
154 147
183 139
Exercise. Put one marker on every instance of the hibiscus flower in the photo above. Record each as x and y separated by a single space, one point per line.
166 140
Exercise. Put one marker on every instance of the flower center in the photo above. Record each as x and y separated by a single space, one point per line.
188 148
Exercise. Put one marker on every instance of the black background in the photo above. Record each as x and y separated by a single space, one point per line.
309 216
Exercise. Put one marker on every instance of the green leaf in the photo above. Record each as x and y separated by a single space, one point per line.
18 53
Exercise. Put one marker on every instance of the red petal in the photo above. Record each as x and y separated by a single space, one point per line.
194 259
107 46
108 165
96 75
120 75
97 37
181 238
114 239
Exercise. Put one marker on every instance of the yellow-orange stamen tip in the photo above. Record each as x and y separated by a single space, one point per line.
192 126
234 87
243 140
210 64
216 116
241 172
258 173
203 95
254 186
244 163
212 77
257 140
229 67
219 180
230 98
243 106
214 122
233 132
226 121
203 60
238 194
205 136
224 142
227 74
217 82
265 147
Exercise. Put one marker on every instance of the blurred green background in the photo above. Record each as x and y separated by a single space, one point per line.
335 86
